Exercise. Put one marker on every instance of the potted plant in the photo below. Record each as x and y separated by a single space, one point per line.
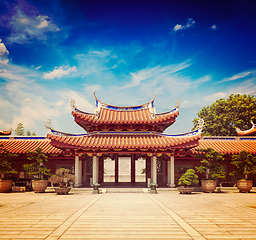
211 167
186 180
245 164
6 167
153 187
62 177
38 170
95 187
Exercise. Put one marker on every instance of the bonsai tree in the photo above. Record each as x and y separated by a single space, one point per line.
37 168
62 176
6 162
245 163
188 178
210 163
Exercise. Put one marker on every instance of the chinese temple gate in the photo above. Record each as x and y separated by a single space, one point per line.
114 132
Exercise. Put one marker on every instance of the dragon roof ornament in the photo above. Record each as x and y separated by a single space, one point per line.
251 131
200 125
73 104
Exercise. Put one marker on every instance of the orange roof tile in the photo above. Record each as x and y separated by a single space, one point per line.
124 141
23 145
138 117
132 118
229 146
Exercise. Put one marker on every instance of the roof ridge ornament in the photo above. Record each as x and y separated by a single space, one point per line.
200 125
48 125
247 132
73 104
177 103
100 105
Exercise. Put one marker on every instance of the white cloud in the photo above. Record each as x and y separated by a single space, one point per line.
190 22
246 87
215 96
3 49
24 27
12 75
60 103
178 27
89 89
213 27
24 20
159 72
251 73
4 62
81 102
43 22
203 79
3 54
59 72
29 102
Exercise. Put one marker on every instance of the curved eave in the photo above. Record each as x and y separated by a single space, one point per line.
250 132
124 141
125 117
5 132
136 107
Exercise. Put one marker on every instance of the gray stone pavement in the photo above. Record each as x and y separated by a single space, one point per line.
130 215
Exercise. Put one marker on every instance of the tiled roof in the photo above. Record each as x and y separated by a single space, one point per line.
138 117
20 145
229 145
124 141
124 118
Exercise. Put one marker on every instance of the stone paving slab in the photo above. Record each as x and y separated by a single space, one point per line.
166 215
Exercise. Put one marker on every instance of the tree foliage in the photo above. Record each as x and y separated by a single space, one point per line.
245 164
62 176
225 115
210 163
37 168
188 178
6 162
20 131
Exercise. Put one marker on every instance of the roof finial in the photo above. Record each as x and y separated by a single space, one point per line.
48 124
177 103
200 124
73 104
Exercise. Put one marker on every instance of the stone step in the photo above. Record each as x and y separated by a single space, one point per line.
125 190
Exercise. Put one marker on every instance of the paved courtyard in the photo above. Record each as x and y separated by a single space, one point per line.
166 215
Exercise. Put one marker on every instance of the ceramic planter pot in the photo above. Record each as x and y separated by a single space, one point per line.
39 186
5 185
186 190
244 185
62 191
209 185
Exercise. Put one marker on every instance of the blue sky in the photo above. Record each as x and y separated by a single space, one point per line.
52 51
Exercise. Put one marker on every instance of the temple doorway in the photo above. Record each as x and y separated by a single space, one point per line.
129 171
124 169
